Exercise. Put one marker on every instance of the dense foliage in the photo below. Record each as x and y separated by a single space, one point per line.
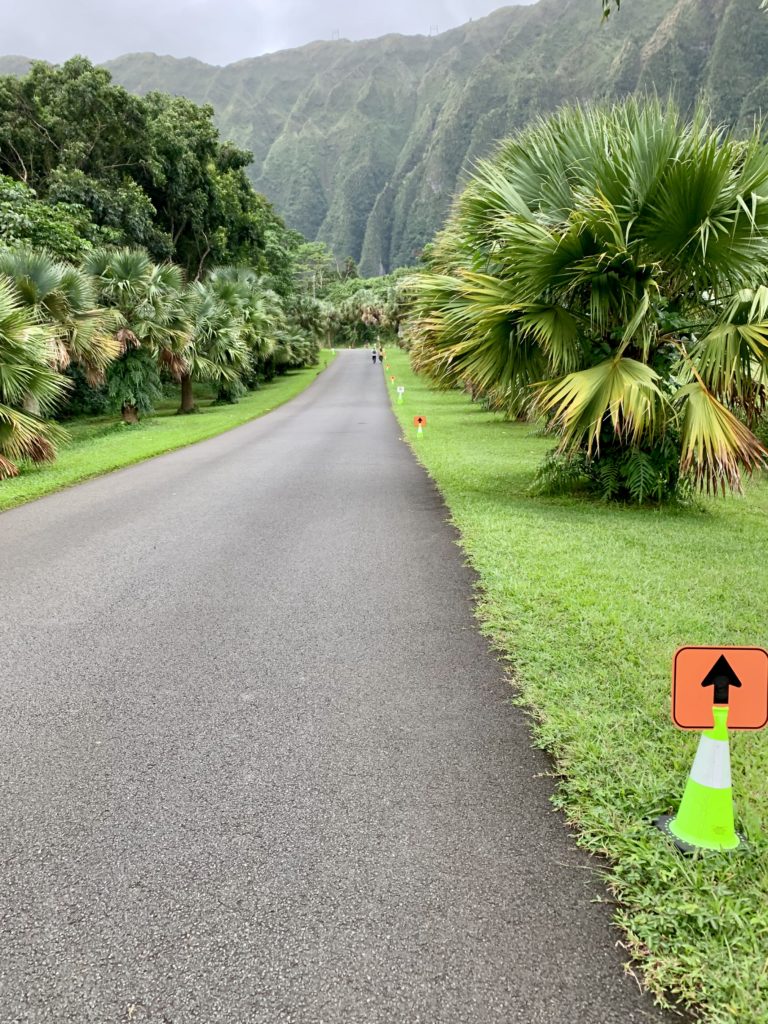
364 311
147 171
606 272
136 255
344 308
29 385
65 229
114 331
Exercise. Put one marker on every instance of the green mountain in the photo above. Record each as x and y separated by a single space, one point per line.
363 145
14 65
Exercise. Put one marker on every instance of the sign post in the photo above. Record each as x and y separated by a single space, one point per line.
400 393
714 689
420 422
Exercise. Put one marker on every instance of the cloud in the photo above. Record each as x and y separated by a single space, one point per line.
218 31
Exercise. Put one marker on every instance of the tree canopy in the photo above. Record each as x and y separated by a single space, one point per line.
149 171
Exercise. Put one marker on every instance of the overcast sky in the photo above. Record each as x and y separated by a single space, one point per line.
217 31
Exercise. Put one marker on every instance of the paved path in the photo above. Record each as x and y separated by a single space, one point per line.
256 764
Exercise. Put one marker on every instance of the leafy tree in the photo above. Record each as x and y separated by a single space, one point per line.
149 171
180 177
203 198
251 233
69 117
80 140
601 272
317 269
362 310
26 377
281 245
121 209
64 229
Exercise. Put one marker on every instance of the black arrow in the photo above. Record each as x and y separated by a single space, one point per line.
722 677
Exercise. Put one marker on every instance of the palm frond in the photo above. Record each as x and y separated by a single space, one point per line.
716 446
621 392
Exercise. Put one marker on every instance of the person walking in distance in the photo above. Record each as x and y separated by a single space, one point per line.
373 354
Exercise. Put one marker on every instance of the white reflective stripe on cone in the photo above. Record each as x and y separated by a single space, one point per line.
712 766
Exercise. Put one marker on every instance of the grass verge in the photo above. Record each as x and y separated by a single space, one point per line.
589 602
103 444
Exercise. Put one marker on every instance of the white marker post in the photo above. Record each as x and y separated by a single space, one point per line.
400 393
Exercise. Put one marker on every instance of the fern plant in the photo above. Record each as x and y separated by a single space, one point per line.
638 475
133 384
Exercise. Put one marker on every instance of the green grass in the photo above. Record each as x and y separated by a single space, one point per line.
102 444
589 602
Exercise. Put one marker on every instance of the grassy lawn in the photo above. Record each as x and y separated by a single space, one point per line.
589 603
102 444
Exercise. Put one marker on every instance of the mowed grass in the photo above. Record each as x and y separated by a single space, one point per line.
102 444
589 602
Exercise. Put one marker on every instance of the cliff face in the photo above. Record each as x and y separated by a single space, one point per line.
364 144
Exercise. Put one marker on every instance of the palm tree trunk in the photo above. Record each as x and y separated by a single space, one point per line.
187 397
31 405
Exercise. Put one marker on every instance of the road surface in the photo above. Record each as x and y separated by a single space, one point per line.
257 764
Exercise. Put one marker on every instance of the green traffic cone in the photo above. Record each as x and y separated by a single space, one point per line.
705 818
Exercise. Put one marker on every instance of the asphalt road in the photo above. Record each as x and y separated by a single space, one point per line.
257 764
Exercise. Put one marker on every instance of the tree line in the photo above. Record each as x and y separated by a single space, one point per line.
136 256
354 311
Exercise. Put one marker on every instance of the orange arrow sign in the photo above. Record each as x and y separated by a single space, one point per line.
705 676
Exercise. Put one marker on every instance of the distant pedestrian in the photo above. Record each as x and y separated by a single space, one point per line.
373 355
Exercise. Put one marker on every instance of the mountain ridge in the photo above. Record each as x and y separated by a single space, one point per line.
363 144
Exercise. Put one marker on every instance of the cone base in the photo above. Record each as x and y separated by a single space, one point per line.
664 824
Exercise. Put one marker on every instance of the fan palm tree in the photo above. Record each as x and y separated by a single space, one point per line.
217 350
26 372
153 323
64 297
604 271
258 309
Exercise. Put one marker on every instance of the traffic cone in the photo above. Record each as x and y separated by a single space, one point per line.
705 818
